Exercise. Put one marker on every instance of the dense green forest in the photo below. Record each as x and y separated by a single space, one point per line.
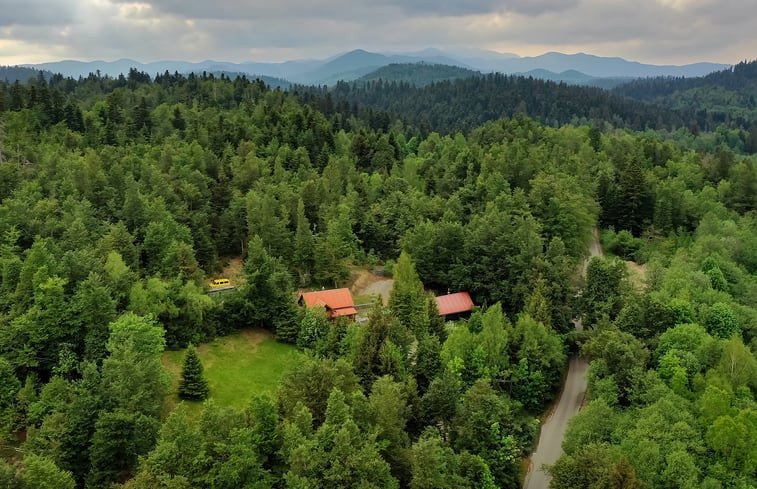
450 106
727 97
740 79
119 197
461 105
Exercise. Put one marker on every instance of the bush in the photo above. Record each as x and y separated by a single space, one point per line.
624 245
389 268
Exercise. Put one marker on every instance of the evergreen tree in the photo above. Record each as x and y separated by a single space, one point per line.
304 244
381 348
9 387
407 299
537 303
633 197
436 324
120 438
428 361
267 293
192 385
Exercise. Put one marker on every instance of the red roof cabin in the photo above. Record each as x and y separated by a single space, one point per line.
338 302
457 304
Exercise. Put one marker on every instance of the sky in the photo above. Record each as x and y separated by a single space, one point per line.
650 31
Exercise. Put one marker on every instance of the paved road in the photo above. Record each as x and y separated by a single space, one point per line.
549 448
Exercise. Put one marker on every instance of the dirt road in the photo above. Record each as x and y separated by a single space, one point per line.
595 249
382 288
549 448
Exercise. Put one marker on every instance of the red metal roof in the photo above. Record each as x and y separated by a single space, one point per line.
330 299
454 303
345 311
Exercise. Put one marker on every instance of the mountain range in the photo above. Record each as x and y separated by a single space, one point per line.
358 63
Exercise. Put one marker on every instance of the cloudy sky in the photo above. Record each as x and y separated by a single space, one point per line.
652 31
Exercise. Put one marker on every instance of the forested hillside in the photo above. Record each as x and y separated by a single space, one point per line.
460 105
19 73
121 197
418 74
728 96
464 104
740 77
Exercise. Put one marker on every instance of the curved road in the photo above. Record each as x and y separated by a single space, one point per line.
549 448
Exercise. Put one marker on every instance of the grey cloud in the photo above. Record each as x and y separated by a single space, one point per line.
716 13
646 30
236 10
355 9
457 8
35 12
646 24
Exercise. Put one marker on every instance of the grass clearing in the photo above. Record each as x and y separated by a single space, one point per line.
237 367
366 298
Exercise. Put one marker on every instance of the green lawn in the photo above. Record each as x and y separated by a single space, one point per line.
237 367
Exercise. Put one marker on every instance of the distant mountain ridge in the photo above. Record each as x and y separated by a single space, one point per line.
602 67
573 77
357 63
422 74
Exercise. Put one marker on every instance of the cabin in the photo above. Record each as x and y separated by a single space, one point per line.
338 302
454 306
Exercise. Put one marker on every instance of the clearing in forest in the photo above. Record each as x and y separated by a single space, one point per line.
233 269
237 367
366 286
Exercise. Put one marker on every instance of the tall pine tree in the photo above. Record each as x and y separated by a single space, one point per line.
193 385
408 300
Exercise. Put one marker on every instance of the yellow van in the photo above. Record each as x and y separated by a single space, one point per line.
219 282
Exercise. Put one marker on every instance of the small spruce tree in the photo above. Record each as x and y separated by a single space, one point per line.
193 385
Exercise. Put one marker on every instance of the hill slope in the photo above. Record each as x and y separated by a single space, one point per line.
573 77
418 74
358 63
725 96
462 104
20 73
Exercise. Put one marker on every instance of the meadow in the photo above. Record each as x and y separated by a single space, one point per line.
237 367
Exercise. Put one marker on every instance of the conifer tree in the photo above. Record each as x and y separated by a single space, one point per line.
304 244
436 323
408 300
193 385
